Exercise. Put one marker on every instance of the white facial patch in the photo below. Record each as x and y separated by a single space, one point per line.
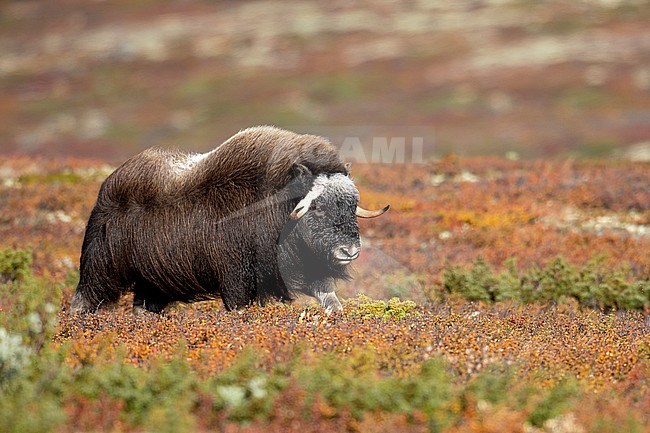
338 185
303 206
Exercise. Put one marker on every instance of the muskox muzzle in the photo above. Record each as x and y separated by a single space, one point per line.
345 254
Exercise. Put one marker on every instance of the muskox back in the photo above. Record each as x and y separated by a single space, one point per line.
260 159
172 226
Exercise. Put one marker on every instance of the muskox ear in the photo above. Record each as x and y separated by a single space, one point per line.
299 170
347 168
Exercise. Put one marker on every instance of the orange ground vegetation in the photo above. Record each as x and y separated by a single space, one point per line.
609 355
545 343
444 213
455 210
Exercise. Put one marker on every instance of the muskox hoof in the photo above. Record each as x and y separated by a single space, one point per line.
329 301
80 305
143 312
141 305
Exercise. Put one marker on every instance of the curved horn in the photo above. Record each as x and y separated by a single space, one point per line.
303 205
363 213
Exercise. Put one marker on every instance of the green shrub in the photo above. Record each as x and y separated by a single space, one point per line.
593 285
395 308
354 384
244 390
556 281
31 398
14 355
169 396
34 303
554 403
498 385
28 407
14 265
493 385
475 284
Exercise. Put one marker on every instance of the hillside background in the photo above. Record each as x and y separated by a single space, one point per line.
105 79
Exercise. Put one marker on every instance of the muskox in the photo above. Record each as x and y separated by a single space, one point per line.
266 215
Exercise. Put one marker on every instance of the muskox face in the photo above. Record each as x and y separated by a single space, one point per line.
322 235
328 219
329 226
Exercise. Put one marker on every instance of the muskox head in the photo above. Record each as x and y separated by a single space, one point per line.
324 225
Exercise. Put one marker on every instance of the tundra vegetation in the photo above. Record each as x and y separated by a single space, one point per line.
491 331
524 302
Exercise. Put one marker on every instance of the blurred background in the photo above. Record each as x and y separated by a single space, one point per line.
104 79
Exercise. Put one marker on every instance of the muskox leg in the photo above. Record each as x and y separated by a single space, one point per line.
97 287
239 290
329 301
82 303
99 282
237 298
323 291
148 304
88 298
148 297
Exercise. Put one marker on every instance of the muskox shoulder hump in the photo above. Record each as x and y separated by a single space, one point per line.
261 157
148 178
276 151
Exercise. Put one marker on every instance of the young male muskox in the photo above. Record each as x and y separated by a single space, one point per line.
267 214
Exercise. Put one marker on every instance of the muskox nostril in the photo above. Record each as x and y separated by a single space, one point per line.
347 253
352 251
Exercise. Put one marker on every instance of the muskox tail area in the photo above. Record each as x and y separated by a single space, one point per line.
96 288
88 298
100 283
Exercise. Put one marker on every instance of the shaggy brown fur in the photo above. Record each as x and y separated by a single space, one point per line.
176 227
